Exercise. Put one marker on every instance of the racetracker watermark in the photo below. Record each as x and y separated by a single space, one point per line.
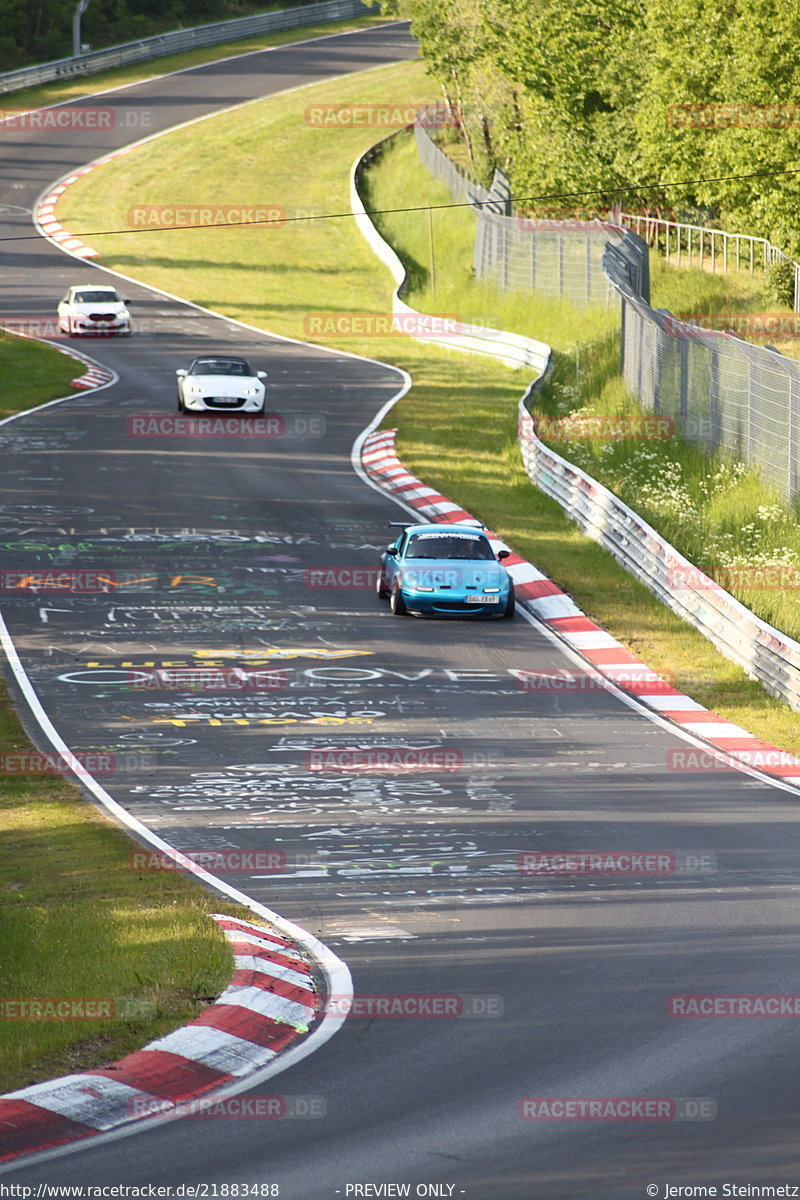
386 115
415 1006
745 1005
91 763
617 1108
226 862
615 862
571 220
731 115
605 429
636 679
338 578
57 1008
81 582
765 758
192 216
275 425
765 577
394 758
68 117
207 679
749 326
236 1108
387 324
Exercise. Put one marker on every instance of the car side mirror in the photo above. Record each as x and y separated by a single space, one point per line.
501 554
391 550
181 371
261 374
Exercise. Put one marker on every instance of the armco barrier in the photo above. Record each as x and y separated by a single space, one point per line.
180 40
763 651
509 348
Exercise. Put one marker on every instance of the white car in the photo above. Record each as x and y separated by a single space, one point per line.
221 383
93 309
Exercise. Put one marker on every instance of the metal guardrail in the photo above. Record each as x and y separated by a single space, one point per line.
180 40
762 651
698 238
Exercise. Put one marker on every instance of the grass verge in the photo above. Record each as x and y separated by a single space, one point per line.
78 923
33 373
458 426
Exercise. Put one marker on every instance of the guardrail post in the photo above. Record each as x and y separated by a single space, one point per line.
683 390
794 415
714 435
588 267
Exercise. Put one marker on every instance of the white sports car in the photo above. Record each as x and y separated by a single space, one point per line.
94 309
212 384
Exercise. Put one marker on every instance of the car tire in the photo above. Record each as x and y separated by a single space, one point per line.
511 604
383 591
181 408
396 603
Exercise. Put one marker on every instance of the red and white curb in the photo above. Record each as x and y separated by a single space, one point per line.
44 215
94 376
559 613
269 1003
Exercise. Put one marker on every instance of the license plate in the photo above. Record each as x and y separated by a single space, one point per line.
227 400
483 599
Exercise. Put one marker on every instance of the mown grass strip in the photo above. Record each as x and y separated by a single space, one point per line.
458 425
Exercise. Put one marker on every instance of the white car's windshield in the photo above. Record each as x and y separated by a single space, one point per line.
96 297
220 366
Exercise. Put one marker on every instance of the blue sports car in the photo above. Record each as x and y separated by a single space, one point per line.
448 570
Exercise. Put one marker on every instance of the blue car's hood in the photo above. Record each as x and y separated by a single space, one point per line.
452 573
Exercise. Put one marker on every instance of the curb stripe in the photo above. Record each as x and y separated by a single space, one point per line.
270 1000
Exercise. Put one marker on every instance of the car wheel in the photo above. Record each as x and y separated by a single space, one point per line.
181 408
383 591
510 606
396 603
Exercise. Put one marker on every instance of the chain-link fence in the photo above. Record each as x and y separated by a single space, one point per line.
512 251
722 392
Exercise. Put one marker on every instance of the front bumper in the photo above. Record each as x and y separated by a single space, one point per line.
436 604
85 325
207 404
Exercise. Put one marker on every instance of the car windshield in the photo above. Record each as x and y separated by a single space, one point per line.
220 366
449 545
96 297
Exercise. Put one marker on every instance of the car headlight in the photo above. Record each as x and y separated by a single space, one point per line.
251 391
193 387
